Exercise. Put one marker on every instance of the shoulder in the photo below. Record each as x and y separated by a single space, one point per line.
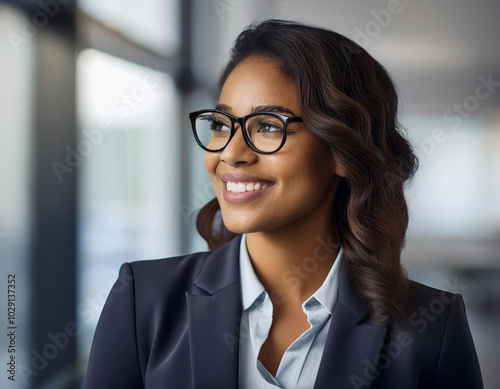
435 343
440 336
430 313
430 310
199 273
423 292
171 266
420 294
151 277
431 304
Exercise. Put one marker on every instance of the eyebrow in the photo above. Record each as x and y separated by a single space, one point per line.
258 108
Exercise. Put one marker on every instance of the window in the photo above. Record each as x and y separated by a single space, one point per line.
128 150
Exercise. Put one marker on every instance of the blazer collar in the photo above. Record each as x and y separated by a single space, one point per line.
348 297
214 320
221 268
354 341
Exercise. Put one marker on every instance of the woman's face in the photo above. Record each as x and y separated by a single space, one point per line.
301 175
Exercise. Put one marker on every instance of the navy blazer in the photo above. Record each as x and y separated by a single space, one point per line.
174 323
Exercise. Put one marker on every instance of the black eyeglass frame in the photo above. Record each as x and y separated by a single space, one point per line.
242 122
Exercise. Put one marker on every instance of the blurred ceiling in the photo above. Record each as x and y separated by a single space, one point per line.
435 49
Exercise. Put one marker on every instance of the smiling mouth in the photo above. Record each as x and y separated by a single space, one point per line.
241 187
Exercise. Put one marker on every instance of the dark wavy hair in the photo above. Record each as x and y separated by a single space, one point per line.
349 102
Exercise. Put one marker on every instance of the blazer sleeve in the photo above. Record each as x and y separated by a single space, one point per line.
458 365
114 361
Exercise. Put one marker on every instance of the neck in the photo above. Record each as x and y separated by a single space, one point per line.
292 263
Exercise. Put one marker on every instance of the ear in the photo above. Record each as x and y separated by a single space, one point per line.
338 169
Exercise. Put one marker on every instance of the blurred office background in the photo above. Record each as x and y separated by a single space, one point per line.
98 165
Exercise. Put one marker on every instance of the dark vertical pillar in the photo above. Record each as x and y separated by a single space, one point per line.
54 327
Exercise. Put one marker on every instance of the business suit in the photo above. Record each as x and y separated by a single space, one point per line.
174 323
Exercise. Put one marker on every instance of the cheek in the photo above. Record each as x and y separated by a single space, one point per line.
302 165
308 171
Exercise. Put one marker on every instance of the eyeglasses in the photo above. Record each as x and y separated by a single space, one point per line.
264 132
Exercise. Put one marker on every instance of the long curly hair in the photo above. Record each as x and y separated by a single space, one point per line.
349 102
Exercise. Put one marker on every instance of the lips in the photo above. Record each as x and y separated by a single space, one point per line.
244 187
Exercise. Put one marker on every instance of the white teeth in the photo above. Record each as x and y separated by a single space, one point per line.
240 187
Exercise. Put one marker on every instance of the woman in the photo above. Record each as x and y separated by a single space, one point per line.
303 286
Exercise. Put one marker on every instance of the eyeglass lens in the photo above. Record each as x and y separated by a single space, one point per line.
265 131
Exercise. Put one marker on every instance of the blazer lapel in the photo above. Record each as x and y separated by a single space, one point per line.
353 343
214 314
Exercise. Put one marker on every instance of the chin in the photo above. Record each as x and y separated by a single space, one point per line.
237 228
240 226
246 227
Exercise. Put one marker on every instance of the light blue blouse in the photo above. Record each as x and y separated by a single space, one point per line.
300 362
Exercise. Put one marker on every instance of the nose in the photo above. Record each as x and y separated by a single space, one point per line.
237 150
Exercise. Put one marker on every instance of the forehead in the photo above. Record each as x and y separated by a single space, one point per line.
258 81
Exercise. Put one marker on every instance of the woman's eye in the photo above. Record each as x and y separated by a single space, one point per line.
218 126
269 127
